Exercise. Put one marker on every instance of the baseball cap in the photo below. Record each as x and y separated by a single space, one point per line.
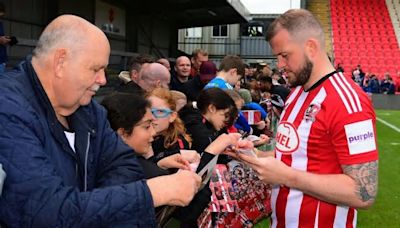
207 71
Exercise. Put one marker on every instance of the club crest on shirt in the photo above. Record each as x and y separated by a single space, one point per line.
311 112
287 138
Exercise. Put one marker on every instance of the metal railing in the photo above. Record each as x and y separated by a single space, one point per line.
247 47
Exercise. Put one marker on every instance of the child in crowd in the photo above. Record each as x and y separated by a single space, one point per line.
215 110
171 136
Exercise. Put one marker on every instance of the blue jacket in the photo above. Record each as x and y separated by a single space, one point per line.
374 85
218 83
48 184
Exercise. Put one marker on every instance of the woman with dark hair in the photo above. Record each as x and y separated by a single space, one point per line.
130 116
214 111
208 118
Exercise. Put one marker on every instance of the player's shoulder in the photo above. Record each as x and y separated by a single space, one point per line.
342 92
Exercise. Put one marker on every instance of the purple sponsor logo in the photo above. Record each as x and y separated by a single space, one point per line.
361 137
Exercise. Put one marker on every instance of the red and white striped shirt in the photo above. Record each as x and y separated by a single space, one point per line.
331 125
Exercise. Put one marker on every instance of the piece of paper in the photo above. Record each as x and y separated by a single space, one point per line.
253 138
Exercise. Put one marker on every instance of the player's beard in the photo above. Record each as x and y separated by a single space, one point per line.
301 77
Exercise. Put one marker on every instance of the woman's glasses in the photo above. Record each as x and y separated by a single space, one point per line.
161 112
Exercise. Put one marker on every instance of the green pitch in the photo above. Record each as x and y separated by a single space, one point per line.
386 210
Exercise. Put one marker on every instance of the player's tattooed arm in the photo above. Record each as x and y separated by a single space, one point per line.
366 178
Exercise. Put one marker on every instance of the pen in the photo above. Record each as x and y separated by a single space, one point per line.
245 135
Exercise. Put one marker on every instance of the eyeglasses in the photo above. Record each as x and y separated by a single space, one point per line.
161 112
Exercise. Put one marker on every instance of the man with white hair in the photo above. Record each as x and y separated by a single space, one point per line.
65 166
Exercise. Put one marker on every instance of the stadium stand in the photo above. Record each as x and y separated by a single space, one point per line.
363 33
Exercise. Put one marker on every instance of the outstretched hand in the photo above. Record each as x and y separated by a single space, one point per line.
191 156
223 142
268 169
174 161
177 189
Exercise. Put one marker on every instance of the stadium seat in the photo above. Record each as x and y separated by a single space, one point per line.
362 32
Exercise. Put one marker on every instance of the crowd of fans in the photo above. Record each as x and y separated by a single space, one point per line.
372 83
258 87
193 103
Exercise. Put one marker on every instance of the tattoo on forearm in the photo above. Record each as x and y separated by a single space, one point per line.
366 177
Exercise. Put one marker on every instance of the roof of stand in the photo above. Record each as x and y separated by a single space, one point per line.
189 13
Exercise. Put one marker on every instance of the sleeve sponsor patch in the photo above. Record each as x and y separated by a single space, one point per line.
360 137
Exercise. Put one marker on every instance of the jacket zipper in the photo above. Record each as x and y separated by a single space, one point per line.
86 161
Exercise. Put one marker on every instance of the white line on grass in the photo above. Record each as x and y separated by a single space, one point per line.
386 114
388 124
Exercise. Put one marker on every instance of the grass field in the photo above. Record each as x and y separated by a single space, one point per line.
386 210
